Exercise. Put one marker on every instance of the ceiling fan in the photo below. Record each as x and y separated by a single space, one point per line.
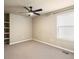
31 11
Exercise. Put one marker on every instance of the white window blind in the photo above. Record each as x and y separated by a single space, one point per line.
65 26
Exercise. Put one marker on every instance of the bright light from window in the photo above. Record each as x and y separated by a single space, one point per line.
65 26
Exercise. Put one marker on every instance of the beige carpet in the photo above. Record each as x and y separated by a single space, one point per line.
34 50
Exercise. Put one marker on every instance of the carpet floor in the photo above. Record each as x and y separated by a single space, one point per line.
34 50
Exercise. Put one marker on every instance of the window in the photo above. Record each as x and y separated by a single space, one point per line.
65 26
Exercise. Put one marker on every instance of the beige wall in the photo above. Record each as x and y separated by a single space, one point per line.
20 28
44 29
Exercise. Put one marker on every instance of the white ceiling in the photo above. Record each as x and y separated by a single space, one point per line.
47 5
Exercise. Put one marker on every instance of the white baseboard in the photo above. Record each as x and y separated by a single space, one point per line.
19 41
55 46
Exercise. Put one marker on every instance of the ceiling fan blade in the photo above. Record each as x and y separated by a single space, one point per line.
30 8
37 10
26 8
36 13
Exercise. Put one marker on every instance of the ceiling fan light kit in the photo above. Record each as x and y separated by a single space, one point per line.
30 14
